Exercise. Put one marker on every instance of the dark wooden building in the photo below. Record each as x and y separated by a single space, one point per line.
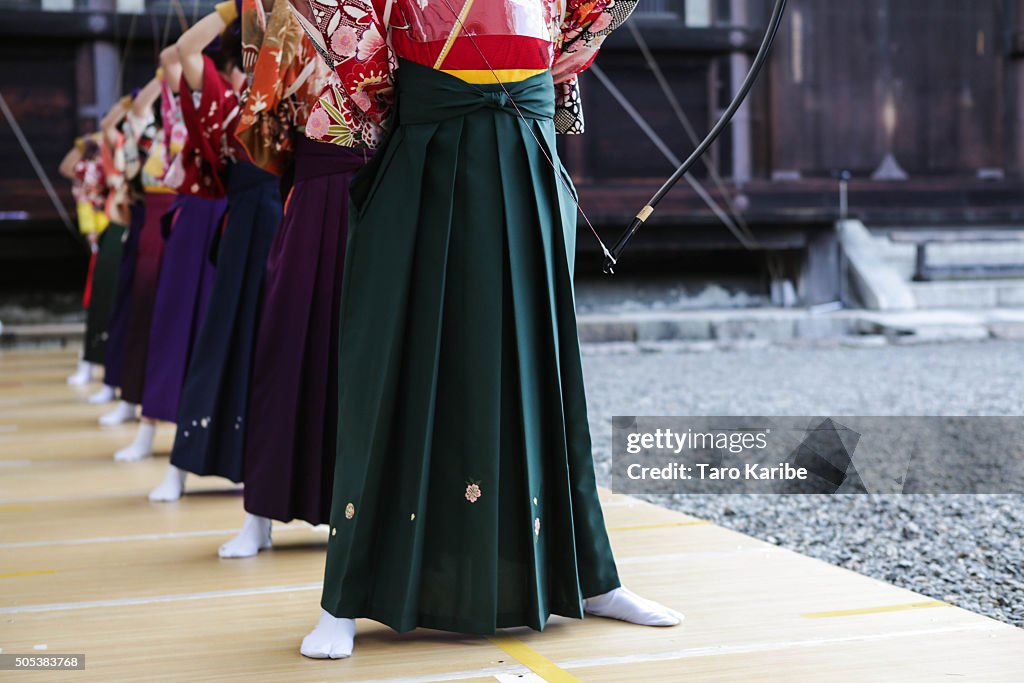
62 64
920 101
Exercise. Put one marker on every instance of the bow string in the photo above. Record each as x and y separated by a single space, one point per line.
612 255
641 217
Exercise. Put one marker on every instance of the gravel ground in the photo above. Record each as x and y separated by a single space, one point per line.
964 549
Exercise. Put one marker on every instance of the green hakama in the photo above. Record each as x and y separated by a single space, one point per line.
104 293
464 494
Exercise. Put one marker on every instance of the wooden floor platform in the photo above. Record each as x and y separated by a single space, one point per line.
88 565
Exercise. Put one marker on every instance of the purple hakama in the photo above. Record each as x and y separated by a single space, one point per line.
186 280
140 305
290 447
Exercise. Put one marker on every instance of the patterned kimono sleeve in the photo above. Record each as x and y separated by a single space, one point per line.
173 127
306 91
112 159
282 69
93 182
353 108
207 115
134 128
90 185
587 23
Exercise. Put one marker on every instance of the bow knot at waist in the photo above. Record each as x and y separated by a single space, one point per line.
497 99
426 95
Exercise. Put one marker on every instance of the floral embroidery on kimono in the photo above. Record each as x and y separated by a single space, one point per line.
285 76
89 188
112 158
175 135
210 117
90 184
354 109
584 29
175 132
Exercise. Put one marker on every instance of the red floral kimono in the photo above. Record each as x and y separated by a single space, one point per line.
285 78
508 42
210 116
90 185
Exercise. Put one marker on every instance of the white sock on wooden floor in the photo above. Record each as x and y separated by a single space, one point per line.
332 638
254 537
626 605
83 375
171 488
122 412
106 394
142 447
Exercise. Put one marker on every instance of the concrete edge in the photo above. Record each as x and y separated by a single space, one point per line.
877 284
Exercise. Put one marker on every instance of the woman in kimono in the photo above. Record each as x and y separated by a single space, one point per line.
144 166
127 142
212 408
145 160
464 495
109 241
72 167
84 164
185 281
118 210
291 436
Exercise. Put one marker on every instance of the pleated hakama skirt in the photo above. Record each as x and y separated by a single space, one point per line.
183 291
293 396
143 295
211 413
464 496
117 329
104 293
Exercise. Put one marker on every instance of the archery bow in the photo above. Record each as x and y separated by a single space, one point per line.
733 226
611 259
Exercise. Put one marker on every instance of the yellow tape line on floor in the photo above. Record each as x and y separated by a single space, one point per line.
36 572
875 610
533 660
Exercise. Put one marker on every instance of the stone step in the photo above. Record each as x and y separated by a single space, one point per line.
668 293
770 324
960 293
702 328
969 294
777 325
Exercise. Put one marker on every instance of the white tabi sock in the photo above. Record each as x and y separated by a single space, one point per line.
171 488
106 394
254 537
332 638
626 605
142 447
83 375
122 412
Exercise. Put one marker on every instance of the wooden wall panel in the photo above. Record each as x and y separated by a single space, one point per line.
838 63
38 82
615 147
